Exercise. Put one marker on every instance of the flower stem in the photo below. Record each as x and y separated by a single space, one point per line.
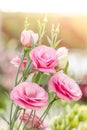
15 85
11 112
33 119
28 120
64 111
18 70
46 112
21 120
27 71
14 118
4 119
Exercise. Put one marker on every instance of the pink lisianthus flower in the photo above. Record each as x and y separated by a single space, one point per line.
65 87
16 62
62 55
27 37
29 95
44 58
37 123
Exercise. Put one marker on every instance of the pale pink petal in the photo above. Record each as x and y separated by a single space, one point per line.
29 95
65 87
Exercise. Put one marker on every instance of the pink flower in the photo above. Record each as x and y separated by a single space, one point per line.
36 122
29 95
62 54
65 87
27 37
16 62
44 58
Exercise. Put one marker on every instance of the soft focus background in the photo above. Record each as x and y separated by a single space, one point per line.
72 17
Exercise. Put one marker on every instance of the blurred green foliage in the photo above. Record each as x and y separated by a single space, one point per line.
3 98
70 118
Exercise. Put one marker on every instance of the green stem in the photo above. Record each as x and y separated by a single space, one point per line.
4 119
28 68
33 119
64 113
18 70
15 85
20 79
6 94
14 118
46 112
27 71
11 112
28 120
21 120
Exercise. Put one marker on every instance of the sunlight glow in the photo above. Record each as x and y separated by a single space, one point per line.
62 7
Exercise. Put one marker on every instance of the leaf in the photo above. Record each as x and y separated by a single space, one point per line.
49 41
36 77
43 79
42 34
26 52
51 95
56 44
57 28
66 68
4 98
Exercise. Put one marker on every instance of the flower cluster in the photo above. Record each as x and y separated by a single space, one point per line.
47 68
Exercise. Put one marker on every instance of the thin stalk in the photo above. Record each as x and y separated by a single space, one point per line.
64 113
48 107
28 68
21 120
11 112
15 85
4 119
20 79
18 114
18 70
14 118
46 112
6 94
28 120
33 119
26 71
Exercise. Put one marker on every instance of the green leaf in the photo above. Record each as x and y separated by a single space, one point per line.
4 98
26 52
51 95
36 77
42 34
66 68
57 28
56 44
49 41
43 79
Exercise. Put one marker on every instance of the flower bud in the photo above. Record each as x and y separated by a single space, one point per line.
62 54
60 119
83 113
75 122
28 37
54 122
70 117
16 62
75 109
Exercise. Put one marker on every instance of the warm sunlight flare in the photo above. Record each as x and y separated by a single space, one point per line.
62 7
